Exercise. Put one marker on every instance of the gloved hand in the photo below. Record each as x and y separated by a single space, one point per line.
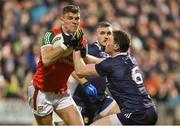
79 36
82 50
69 40
73 41
90 89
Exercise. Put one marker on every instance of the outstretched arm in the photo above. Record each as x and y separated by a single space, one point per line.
82 69
92 59
81 80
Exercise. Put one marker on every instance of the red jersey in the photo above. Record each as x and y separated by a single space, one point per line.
54 78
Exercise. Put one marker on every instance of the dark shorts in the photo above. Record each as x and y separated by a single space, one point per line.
147 116
90 110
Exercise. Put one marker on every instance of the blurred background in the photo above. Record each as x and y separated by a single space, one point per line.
154 26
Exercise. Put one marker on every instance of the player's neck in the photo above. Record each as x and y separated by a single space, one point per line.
65 31
114 54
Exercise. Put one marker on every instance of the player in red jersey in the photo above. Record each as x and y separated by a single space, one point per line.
48 91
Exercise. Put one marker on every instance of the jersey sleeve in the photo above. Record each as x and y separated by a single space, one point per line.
93 50
104 68
47 38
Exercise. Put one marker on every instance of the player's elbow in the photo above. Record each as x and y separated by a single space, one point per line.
80 73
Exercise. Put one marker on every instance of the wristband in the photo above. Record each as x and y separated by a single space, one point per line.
63 46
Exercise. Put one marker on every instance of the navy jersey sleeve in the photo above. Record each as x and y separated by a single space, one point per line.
104 68
93 50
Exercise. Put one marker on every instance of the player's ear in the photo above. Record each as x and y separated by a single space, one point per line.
116 47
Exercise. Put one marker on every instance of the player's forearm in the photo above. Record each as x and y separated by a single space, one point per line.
82 69
50 55
81 80
78 63
92 59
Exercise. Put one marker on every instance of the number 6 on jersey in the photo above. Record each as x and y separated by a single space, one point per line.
136 75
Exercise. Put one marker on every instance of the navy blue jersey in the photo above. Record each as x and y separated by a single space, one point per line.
99 82
125 82
97 50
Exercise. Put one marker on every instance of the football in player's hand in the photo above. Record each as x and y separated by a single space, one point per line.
56 42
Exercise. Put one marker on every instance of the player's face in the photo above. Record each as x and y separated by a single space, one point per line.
103 34
110 46
70 22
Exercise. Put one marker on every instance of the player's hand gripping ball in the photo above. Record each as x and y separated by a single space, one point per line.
69 41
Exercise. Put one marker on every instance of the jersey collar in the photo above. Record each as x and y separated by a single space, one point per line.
99 46
122 54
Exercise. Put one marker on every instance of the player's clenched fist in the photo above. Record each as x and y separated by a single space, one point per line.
79 36
69 40
82 49
73 41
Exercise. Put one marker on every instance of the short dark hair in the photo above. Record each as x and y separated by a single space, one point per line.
71 8
122 39
103 24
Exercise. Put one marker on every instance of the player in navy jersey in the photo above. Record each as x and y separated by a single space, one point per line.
125 82
93 108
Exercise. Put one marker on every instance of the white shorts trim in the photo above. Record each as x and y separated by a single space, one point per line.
107 109
114 120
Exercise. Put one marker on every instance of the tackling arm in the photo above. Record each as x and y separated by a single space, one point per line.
92 59
82 69
81 80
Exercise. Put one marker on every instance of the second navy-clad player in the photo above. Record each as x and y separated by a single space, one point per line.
126 83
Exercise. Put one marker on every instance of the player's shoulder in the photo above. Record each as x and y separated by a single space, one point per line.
133 59
113 61
51 36
93 46
54 31
108 61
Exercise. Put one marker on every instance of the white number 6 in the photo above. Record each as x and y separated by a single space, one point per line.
136 75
